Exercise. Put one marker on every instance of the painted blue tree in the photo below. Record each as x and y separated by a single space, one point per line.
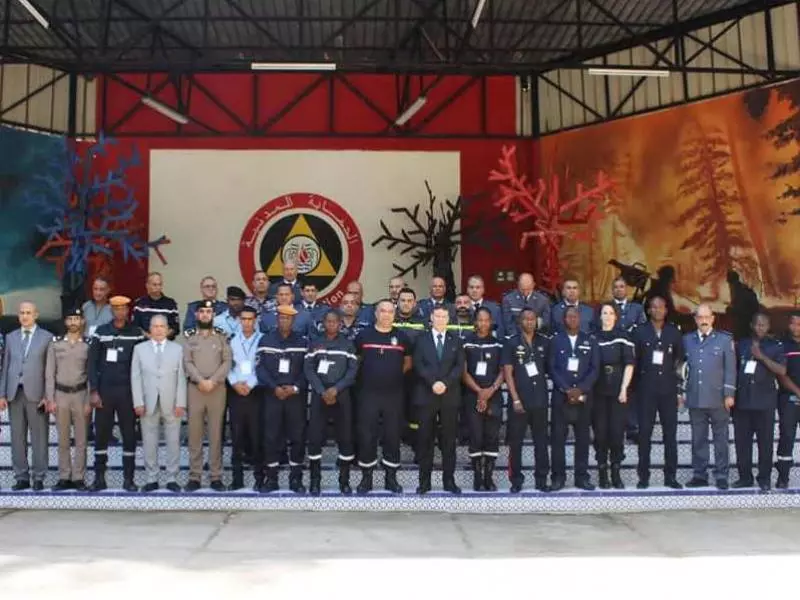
88 218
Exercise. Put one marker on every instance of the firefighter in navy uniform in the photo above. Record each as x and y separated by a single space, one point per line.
384 353
352 324
280 370
761 362
156 303
110 356
789 402
573 365
408 319
525 364
330 368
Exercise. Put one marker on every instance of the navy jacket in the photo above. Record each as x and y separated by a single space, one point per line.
488 350
514 302
557 316
757 390
631 315
658 359
339 360
588 356
272 349
531 388
430 369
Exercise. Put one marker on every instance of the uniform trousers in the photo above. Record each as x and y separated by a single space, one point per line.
378 407
70 414
718 419
580 417
151 425
437 412
518 423
760 423
117 400
284 420
484 428
24 416
608 423
342 415
245 413
211 407
664 403
789 417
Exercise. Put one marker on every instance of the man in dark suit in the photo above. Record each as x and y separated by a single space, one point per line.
439 364
22 391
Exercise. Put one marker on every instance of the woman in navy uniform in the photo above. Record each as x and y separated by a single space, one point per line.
761 362
483 377
610 399
789 402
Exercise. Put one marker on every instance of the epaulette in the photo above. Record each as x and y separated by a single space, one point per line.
544 335
189 332
723 332
56 338
220 331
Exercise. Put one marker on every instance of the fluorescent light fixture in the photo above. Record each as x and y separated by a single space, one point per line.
411 111
476 16
629 72
260 66
165 110
27 5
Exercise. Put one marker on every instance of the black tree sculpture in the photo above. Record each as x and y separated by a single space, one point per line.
435 237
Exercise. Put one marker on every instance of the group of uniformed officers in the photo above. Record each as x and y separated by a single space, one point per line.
427 372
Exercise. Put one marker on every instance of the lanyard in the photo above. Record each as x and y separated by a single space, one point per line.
247 351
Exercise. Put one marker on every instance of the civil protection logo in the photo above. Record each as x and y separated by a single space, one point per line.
314 232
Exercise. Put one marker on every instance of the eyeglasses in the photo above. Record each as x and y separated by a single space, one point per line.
209 285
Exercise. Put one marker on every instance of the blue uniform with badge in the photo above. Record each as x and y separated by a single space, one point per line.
513 304
557 316
497 316
528 362
754 411
302 324
316 311
228 324
788 412
572 364
710 377
245 410
631 315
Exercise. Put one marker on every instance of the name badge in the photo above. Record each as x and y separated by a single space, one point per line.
658 357
533 370
750 367
323 366
572 365
92 329
283 365
111 355
480 368
246 367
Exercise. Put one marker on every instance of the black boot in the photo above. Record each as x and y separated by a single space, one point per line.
344 478
271 483
616 478
128 467
258 481
237 482
603 482
99 474
477 474
365 485
296 480
390 481
315 485
783 467
488 474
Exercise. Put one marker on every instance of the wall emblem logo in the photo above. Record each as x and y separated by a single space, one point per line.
314 232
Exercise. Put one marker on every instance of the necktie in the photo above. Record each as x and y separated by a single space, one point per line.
26 342
439 346
159 352
477 305
703 337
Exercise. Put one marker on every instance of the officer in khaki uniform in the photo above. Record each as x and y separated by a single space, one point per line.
66 390
207 361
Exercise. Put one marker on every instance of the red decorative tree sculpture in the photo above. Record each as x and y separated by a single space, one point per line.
552 217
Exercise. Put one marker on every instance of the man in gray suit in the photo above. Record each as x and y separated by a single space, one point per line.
158 382
22 391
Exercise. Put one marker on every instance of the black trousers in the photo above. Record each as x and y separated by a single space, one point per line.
117 401
284 420
380 416
445 415
342 415
246 430
608 423
562 416
789 417
760 423
665 405
536 419
484 430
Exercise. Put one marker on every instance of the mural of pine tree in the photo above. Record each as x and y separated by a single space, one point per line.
782 135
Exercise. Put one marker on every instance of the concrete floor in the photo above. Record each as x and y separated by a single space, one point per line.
293 555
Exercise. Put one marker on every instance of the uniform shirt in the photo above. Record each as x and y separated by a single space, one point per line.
296 288
530 367
564 355
382 356
757 386
95 316
190 320
366 314
145 308
658 358
228 323
316 311
244 352
483 358
302 324
791 351
206 356
710 369
412 326
331 363
512 306
557 316
498 329
351 331
110 355
616 352
261 306
67 365
281 361
462 330
426 306
631 314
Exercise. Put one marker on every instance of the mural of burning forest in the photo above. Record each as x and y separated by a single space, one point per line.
706 188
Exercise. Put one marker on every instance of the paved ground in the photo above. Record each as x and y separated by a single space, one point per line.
290 555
